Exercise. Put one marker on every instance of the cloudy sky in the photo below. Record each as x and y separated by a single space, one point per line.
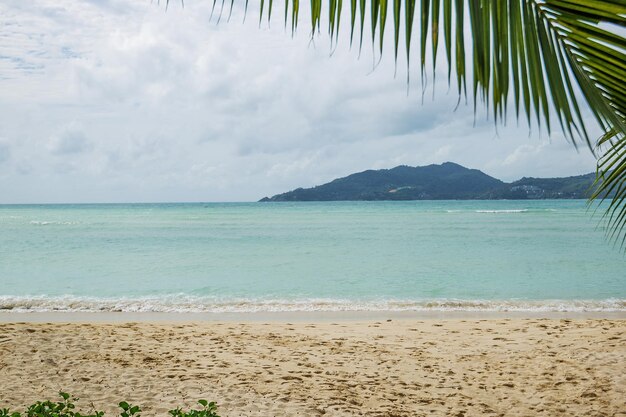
119 101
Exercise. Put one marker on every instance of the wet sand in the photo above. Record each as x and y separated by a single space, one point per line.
402 367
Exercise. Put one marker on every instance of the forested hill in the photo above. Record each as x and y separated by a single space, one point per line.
448 181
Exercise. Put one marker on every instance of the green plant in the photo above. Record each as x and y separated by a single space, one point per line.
209 409
66 408
129 410
63 408
4 412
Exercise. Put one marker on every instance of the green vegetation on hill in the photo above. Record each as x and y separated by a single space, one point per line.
448 181
543 188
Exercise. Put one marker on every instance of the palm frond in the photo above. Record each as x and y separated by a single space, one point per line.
547 58
611 183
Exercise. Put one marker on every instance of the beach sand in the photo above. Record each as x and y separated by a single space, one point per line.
499 367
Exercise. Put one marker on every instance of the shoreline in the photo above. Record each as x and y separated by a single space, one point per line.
298 316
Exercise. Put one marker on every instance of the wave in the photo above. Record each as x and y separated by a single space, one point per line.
194 304
508 211
503 211
46 223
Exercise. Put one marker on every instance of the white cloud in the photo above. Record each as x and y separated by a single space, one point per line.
70 140
5 151
135 104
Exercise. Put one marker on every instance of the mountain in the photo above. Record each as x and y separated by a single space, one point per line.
448 181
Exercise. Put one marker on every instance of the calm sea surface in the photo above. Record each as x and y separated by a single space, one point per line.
476 255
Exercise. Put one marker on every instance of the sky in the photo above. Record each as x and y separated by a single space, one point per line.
123 101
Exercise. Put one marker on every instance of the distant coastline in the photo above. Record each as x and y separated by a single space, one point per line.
448 181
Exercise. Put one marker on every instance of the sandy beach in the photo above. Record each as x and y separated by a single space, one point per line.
500 367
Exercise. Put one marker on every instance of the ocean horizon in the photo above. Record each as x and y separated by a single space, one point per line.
476 255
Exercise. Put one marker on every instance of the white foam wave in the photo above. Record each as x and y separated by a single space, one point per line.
502 211
509 211
46 223
194 304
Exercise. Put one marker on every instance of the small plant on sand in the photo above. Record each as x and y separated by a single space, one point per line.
66 408
209 409
129 410
63 408
4 412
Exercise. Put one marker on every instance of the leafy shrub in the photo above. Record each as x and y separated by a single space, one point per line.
66 407
209 409
63 408
129 410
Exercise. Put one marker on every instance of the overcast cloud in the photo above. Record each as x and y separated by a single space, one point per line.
118 101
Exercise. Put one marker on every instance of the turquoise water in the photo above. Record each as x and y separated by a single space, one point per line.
493 255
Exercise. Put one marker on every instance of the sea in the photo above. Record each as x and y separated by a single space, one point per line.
545 255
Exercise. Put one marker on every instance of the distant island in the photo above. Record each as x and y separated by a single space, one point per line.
448 181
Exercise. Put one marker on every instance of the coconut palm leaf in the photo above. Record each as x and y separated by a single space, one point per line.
545 58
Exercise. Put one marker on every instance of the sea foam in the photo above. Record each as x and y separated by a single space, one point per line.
502 211
194 304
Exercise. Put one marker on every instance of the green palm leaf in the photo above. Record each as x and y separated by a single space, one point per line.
547 58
